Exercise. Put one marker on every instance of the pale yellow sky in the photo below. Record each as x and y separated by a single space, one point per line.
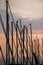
26 8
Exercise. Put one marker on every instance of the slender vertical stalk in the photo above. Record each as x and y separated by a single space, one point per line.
12 39
7 36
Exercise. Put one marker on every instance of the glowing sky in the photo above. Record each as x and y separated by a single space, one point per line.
26 8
